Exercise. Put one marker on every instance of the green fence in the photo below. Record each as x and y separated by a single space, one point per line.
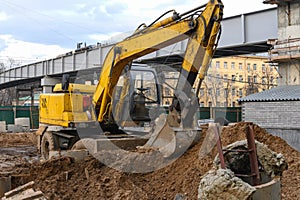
232 114
9 113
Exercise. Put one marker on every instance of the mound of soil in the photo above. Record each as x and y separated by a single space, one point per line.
16 139
65 179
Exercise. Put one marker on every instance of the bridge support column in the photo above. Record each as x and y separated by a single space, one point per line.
48 83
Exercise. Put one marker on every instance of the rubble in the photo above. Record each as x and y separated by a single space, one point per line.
63 178
223 184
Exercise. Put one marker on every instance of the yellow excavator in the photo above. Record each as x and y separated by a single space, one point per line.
128 95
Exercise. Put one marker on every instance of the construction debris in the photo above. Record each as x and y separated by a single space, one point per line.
63 178
223 184
24 192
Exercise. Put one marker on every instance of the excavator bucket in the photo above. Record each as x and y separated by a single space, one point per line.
171 141
163 137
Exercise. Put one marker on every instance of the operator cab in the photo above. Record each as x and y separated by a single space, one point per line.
137 96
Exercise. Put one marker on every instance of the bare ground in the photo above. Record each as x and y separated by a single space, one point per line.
65 179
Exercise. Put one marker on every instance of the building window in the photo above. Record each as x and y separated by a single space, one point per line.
263 80
240 66
271 79
202 104
233 77
241 92
254 79
225 92
254 67
209 104
241 78
225 65
232 65
249 79
218 92
218 104
209 91
233 92
218 64
248 67
233 104
263 68
225 77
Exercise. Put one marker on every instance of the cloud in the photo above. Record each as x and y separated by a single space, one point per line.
59 25
25 52
3 16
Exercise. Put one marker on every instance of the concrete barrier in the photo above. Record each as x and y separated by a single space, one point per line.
24 122
2 126
14 128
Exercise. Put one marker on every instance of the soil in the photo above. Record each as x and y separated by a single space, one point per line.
62 178
15 150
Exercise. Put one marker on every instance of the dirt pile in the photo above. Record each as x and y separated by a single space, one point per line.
16 149
16 139
64 179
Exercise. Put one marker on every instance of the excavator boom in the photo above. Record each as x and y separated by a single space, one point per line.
200 27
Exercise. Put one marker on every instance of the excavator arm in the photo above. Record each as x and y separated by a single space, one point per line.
201 27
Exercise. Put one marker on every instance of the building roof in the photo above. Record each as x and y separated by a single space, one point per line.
280 93
277 1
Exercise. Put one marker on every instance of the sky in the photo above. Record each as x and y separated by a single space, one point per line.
33 30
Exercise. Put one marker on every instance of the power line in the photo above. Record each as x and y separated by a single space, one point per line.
21 12
227 79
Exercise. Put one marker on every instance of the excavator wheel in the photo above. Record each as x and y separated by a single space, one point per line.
48 143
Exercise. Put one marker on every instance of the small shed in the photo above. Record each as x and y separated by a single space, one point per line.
277 110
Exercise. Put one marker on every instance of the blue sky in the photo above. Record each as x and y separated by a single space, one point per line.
31 30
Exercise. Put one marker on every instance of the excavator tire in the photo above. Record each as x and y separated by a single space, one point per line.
48 143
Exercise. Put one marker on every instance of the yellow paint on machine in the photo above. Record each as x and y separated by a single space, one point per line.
61 109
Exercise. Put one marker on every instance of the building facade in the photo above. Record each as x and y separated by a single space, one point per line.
286 48
230 78
277 110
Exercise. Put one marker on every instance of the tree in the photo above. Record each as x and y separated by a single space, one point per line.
260 81
212 86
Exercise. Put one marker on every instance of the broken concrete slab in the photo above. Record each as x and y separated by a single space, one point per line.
223 184
78 155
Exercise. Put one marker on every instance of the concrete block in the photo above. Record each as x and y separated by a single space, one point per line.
47 81
2 126
24 122
14 128
78 155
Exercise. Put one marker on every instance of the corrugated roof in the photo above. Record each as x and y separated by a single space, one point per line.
280 93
